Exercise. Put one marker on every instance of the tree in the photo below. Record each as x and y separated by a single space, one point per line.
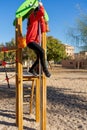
82 28
55 49
79 33
10 56
1 53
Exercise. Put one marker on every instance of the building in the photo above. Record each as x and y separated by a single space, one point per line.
69 50
83 54
79 61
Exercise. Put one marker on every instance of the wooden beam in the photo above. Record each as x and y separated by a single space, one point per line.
29 78
38 100
43 92
19 78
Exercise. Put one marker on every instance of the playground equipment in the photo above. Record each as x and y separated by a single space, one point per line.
40 90
25 8
21 14
40 99
3 63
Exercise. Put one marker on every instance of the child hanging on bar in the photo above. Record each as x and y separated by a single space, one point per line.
35 19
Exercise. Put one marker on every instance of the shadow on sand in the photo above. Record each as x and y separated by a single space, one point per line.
67 97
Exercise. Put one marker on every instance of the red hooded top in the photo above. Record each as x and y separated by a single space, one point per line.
33 26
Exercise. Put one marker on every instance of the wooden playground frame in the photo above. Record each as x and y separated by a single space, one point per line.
40 98
40 88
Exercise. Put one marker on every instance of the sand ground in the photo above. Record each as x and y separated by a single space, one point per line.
66 103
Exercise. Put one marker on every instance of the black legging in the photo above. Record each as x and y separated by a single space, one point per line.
39 51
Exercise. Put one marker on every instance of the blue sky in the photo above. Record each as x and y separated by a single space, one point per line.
62 15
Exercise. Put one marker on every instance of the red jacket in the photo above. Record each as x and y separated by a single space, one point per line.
32 34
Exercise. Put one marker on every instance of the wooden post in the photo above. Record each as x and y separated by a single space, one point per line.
43 91
19 80
37 99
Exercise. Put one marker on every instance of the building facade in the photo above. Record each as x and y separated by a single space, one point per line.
79 61
69 50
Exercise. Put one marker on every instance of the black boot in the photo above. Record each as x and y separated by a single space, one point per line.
32 69
45 70
33 72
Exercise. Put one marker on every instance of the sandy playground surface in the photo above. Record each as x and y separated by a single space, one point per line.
66 103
